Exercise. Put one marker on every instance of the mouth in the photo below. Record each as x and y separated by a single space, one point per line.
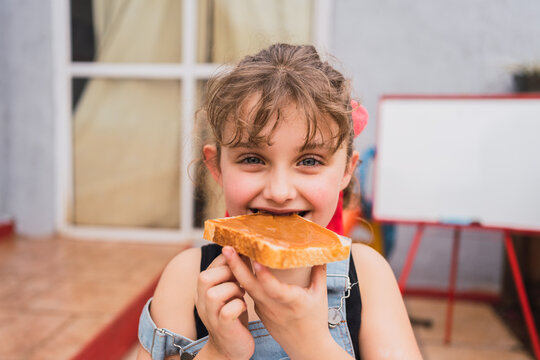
278 213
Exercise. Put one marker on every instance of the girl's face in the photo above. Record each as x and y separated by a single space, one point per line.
282 178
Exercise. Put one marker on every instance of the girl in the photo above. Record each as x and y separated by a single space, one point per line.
283 143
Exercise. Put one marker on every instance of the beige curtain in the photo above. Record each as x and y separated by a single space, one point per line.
127 132
241 27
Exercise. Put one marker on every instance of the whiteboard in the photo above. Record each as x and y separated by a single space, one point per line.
459 160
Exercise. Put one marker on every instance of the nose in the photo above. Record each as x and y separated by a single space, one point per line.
279 187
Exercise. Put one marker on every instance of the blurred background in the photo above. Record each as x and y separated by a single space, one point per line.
98 138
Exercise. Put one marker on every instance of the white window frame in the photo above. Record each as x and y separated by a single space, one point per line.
188 72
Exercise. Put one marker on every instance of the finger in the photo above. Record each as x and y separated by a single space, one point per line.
222 293
214 276
241 271
232 310
318 278
210 301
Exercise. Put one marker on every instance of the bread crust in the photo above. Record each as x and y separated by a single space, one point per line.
271 254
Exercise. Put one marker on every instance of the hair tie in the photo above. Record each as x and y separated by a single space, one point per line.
359 117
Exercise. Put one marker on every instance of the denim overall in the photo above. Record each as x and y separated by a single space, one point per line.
161 343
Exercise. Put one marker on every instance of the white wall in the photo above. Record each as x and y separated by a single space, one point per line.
4 138
27 179
437 47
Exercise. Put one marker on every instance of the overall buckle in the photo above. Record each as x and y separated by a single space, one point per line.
165 332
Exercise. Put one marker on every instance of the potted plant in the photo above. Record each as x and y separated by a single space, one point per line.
527 78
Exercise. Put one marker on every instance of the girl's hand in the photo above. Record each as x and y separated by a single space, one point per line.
296 317
223 311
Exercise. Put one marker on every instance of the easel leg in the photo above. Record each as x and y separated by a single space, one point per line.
452 286
410 258
518 280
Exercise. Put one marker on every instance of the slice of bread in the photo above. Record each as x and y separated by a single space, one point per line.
279 242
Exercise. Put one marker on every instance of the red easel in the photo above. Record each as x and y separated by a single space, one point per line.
518 280
399 119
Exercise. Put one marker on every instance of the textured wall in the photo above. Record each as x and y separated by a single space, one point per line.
28 181
437 47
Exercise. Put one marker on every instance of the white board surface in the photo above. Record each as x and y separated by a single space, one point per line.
459 160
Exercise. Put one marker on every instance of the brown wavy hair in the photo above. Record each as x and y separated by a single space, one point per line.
279 75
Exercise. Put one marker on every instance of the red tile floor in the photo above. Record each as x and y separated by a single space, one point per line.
78 299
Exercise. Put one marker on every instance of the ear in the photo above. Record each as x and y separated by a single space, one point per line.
211 161
349 170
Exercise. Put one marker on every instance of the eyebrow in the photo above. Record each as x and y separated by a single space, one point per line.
245 144
315 145
307 147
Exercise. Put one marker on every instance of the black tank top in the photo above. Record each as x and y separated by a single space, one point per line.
353 303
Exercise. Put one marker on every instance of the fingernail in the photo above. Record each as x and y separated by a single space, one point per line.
227 251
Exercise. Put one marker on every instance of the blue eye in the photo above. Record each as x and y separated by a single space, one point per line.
252 160
310 162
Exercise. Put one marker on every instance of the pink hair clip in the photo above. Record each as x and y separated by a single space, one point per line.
359 117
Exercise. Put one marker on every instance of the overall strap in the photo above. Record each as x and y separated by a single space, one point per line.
160 342
339 288
354 308
337 281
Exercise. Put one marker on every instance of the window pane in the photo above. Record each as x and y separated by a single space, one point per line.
126 152
126 31
230 29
